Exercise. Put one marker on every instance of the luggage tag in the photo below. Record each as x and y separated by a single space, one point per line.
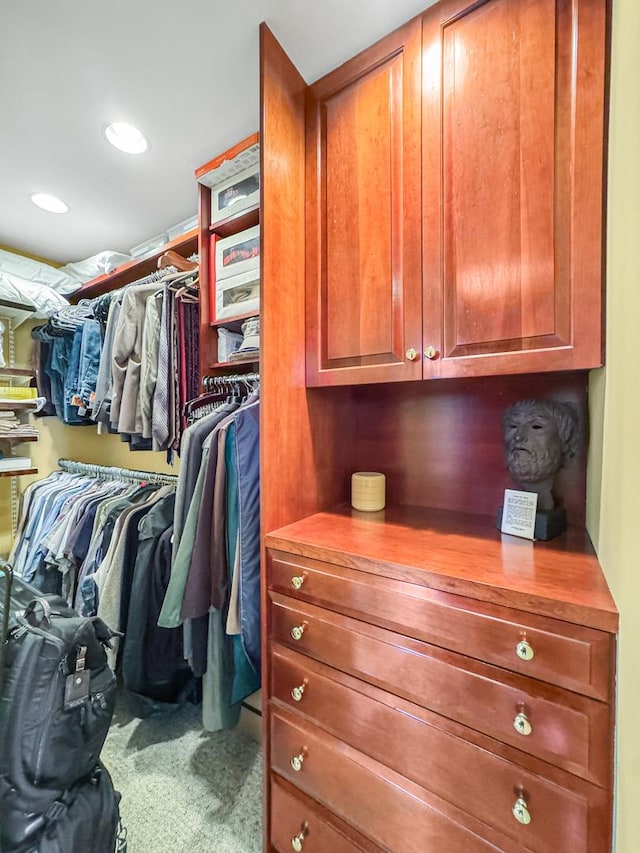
76 688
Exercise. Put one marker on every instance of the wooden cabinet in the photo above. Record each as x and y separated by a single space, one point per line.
411 691
509 218
430 684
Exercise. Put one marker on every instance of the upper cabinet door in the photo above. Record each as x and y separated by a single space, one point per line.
364 313
513 162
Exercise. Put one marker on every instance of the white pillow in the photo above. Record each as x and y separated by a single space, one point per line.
103 262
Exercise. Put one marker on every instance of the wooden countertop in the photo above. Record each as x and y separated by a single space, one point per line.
461 554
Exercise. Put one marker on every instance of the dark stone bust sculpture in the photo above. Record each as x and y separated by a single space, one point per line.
540 437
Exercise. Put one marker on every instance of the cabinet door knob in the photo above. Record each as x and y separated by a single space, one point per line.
524 650
297 760
298 630
297 581
522 725
521 812
297 842
430 352
298 692
411 354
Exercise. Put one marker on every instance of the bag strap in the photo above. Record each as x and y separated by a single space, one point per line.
7 571
121 839
36 619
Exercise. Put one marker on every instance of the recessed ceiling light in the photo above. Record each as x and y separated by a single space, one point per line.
49 203
126 138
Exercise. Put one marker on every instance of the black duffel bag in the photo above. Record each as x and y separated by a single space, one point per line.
55 710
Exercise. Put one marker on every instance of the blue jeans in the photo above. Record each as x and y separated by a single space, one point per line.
70 414
90 350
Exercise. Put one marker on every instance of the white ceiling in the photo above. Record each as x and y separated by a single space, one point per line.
186 73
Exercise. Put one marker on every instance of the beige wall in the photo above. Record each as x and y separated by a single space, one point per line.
614 478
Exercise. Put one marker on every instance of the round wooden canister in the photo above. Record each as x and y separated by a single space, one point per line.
367 491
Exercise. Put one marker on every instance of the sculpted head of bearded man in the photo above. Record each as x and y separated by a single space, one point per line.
540 436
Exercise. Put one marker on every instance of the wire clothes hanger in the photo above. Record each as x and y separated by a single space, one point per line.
219 390
107 472
250 380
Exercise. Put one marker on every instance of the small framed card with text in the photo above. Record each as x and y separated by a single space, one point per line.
519 513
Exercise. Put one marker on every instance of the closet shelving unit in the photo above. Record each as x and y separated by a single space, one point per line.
19 407
215 171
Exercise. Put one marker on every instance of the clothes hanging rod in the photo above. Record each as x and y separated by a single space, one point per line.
16 306
233 378
111 472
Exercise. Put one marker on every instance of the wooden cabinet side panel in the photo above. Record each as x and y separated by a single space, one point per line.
208 344
282 92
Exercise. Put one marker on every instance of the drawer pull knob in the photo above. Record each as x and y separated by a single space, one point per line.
297 581
430 352
524 650
297 842
412 354
297 760
521 812
522 725
298 692
298 630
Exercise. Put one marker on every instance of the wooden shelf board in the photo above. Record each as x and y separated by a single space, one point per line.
186 244
461 553
236 223
230 321
16 371
18 440
18 473
224 364
16 306
17 405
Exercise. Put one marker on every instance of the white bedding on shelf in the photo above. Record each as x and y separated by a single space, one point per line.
41 301
96 265
37 272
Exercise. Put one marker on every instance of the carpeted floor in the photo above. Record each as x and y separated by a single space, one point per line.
185 790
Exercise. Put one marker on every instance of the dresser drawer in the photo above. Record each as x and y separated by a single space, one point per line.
390 810
565 811
570 656
567 730
296 825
